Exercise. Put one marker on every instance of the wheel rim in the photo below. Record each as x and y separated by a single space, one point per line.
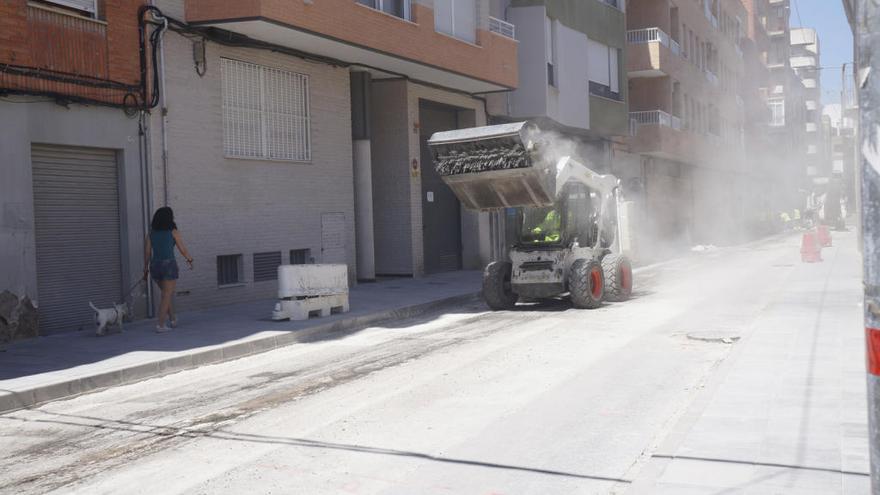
596 283
626 277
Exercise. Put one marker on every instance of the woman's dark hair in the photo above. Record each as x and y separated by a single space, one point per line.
163 219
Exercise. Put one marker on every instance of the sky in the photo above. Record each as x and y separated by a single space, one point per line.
828 18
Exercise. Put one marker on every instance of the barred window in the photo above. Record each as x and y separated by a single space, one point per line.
265 112
299 256
229 269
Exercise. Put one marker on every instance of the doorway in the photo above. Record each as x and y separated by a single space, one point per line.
441 210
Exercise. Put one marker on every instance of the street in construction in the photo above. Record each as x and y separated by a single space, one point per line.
732 370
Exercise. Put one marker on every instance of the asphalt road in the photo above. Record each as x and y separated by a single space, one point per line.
544 399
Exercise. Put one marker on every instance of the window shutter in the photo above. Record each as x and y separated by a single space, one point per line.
89 6
465 20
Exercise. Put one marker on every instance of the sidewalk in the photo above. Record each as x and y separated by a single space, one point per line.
57 366
786 413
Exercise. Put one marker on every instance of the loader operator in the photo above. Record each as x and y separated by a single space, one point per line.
551 227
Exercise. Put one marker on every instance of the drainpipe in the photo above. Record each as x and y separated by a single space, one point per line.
363 175
146 191
163 108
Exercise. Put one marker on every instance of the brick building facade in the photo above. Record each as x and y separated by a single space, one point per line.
283 132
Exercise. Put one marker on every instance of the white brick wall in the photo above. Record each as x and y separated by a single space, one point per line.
234 206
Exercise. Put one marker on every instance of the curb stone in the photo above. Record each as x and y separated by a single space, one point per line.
68 388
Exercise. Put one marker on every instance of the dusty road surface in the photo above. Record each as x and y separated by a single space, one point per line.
544 399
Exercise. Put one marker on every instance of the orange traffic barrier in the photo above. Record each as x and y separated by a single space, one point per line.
811 252
824 235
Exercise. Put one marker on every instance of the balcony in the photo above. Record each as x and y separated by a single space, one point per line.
382 41
651 52
803 61
69 43
657 133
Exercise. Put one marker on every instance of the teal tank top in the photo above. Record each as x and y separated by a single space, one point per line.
163 243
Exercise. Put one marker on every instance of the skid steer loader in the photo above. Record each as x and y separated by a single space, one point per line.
568 226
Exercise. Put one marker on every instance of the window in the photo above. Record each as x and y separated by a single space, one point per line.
230 270
456 18
86 7
266 266
777 112
265 112
603 70
550 45
398 8
299 256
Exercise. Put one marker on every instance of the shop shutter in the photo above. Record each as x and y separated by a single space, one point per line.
77 230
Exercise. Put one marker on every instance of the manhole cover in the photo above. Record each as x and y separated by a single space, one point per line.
723 337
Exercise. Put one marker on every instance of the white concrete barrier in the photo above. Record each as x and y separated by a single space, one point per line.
305 290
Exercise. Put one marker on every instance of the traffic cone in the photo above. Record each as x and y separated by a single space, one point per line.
810 250
824 235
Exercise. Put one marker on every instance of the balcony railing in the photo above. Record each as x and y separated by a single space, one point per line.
503 28
655 117
675 47
67 43
647 35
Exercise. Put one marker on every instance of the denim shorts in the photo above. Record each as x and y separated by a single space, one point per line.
163 270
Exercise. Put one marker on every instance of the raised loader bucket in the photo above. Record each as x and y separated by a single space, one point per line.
494 166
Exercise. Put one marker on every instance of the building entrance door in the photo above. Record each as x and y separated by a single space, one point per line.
441 210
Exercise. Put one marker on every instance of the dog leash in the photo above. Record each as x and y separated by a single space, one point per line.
133 287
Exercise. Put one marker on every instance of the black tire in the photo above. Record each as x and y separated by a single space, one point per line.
497 291
586 284
618 277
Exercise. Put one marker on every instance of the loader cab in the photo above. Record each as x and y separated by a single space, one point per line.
573 218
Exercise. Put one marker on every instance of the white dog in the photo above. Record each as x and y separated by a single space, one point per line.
111 316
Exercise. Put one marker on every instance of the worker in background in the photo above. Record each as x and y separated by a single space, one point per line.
786 220
551 227
796 217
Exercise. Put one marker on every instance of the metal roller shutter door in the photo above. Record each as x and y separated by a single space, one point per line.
76 213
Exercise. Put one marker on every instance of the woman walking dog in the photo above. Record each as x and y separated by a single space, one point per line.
159 262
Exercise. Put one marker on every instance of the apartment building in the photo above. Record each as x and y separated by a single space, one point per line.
571 70
787 102
841 139
71 198
765 156
295 132
686 76
805 61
